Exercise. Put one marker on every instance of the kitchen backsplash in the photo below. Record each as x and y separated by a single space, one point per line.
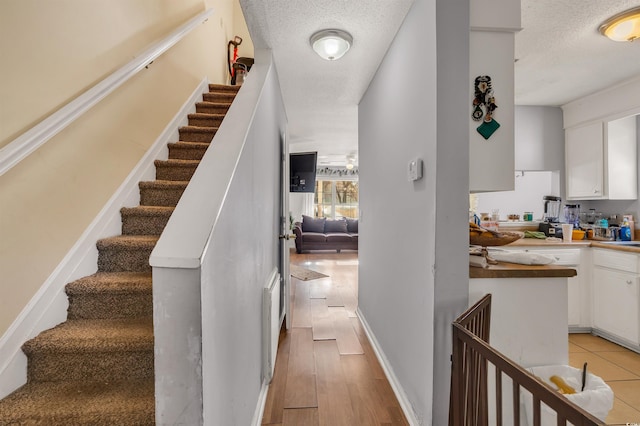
530 187
610 207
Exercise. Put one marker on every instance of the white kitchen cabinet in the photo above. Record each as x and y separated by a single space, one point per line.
601 160
616 303
616 295
584 154
621 178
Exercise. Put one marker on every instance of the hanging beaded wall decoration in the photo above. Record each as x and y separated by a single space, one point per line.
484 105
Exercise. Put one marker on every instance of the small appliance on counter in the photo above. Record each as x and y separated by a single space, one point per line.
550 224
572 214
590 217
604 231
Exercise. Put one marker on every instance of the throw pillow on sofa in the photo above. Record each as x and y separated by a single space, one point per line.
335 226
313 224
352 226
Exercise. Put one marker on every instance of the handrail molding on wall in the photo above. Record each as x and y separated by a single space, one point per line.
28 142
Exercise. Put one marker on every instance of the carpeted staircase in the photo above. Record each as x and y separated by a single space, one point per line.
96 368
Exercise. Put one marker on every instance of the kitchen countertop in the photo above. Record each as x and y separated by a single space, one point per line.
599 244
524 243
537 242
514 270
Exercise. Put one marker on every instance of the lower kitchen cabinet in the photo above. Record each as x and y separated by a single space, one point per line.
616 295
604 297
575 291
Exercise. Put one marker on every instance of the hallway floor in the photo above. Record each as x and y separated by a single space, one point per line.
618 367
326 371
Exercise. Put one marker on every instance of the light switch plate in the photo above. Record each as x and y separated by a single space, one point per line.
415 170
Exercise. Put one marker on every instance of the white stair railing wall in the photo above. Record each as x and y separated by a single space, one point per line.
210 265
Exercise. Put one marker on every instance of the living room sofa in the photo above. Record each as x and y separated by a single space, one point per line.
315 233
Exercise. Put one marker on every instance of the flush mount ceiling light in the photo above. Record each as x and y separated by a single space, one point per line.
331 44
624 26
350 161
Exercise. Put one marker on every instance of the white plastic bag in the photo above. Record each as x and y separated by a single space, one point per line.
597 397
522 257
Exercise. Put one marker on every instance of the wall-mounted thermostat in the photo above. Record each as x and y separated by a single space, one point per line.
415 169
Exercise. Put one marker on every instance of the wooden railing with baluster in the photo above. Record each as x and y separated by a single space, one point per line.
472 356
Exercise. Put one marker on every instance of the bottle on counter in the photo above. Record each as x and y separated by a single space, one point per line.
625 232
632 226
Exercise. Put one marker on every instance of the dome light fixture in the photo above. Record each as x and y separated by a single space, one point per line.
624 26
351 159
331 44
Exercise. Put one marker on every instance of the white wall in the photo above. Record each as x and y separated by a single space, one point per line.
408 291
539 164
539 138
237 266
527 197
452 187
213 260
50 198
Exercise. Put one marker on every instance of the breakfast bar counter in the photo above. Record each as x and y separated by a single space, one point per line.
529 314
514 270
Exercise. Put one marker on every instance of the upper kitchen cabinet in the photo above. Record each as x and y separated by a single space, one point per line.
601 160
491 85
584 161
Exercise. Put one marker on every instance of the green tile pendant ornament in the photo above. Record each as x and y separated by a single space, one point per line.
484 105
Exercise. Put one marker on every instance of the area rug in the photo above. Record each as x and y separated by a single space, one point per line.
305 274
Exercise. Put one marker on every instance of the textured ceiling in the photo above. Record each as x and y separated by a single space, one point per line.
560 57
322 97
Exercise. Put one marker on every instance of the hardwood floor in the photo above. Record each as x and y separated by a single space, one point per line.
326 371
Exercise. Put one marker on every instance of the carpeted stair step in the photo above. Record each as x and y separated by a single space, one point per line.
161 192
187 150
125 253
89 403
218 97
111 295
223 88
144 220
197 134
205 120
97 368
213 107
178 170
96 350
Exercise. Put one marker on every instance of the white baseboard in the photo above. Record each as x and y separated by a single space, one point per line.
405 404
48 307
262 401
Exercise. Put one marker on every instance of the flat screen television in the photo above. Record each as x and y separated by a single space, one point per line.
302 176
